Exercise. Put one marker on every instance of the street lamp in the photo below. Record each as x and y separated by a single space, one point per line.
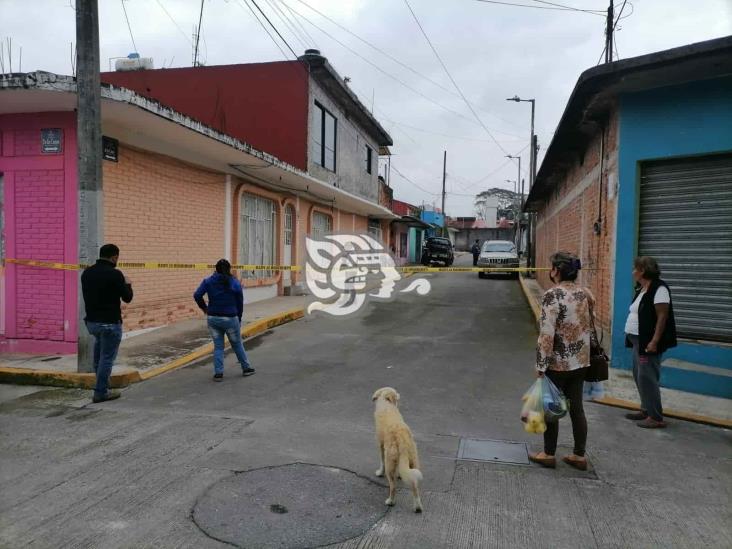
532 145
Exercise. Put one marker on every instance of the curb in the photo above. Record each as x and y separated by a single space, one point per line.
676 414
28 376
530 299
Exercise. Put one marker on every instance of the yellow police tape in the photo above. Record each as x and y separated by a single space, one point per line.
208 266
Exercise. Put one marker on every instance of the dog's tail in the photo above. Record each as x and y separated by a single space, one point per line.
411 476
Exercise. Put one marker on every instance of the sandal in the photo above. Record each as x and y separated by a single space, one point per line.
548 462
580 464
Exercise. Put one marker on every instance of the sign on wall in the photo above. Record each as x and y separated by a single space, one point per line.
110 149
51 141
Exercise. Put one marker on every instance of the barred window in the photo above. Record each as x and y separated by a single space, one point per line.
257 234
322 225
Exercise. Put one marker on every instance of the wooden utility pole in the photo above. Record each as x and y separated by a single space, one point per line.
444 175
89 144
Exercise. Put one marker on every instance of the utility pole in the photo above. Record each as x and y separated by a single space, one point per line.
89 144
444 175
609 28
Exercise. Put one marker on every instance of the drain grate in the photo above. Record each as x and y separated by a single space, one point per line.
496 451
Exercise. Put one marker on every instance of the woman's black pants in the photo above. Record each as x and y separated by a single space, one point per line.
571 384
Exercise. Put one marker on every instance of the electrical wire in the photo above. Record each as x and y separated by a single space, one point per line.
128 25
393 167
571 8
394 59
286 22
299 24
188 38
273 27
437 55
536 7
256 17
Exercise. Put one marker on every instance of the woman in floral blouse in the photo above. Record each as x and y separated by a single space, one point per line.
563 353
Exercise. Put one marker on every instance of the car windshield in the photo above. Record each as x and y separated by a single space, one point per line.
499 247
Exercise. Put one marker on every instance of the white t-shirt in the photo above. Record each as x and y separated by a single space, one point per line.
631 325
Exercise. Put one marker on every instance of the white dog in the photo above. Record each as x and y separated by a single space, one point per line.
397 451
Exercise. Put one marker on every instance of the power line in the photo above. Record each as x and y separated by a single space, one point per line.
570 8
288 24
299 24
174 22
256 17
453 80
128 25
198 36
393 167
273 27
378 68
536 7
392 58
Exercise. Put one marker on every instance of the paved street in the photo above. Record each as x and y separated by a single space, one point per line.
143 471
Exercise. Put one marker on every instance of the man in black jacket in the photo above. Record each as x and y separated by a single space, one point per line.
103 286
475 250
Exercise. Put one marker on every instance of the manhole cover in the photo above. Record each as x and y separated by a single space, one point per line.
295 505
499 451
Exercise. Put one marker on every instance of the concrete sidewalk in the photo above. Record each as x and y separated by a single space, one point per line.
620 389
148 353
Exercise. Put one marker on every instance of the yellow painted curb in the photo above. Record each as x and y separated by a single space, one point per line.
530 299
29 376
676 414
249 330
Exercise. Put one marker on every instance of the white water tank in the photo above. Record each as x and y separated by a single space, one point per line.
133 62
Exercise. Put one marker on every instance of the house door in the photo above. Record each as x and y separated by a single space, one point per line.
289 233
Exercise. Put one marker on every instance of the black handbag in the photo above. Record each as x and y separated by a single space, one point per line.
599 361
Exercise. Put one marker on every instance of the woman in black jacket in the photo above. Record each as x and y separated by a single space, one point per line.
650 330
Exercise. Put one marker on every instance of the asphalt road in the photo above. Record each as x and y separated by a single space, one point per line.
181 461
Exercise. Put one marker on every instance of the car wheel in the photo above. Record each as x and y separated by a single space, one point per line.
481 275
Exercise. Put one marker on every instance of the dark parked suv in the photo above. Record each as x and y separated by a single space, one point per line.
437 249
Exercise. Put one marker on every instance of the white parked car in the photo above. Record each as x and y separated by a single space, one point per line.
497 254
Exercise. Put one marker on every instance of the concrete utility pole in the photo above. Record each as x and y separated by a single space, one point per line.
444 175
609 28
89 143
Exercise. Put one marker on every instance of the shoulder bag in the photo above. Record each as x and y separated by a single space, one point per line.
599 362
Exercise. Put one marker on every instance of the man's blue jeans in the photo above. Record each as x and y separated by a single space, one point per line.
218 326
107 338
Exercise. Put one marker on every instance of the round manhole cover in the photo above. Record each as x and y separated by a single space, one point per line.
290 506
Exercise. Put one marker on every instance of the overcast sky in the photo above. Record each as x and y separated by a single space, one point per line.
492 51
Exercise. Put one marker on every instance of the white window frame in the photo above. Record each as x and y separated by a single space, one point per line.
322 224
257 234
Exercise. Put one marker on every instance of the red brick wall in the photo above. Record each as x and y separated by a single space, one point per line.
160 209
566 220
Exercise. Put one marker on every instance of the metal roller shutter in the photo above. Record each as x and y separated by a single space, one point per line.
686 224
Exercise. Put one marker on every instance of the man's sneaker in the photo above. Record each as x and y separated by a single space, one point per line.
111 395
247 371
650 423
218 377
636 416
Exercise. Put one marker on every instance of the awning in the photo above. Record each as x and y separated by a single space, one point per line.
412 222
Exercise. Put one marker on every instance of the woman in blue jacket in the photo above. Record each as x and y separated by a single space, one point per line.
224 310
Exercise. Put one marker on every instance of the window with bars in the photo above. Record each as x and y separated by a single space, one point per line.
322 225
289 220
324 138
374 229
257 234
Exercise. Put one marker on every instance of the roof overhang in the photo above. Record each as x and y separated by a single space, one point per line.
596 92
412 222
149 125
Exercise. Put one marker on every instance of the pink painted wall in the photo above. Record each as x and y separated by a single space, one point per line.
40 210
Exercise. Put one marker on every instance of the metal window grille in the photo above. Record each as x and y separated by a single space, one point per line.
257 234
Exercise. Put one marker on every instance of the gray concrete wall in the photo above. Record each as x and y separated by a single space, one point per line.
351 140
466 237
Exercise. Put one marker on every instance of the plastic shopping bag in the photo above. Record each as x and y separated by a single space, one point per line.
542 402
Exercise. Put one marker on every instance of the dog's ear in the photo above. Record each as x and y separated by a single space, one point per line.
393 397
376 394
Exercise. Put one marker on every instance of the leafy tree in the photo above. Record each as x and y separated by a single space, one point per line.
508 203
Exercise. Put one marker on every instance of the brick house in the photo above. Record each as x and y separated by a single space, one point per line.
641 164
177 190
